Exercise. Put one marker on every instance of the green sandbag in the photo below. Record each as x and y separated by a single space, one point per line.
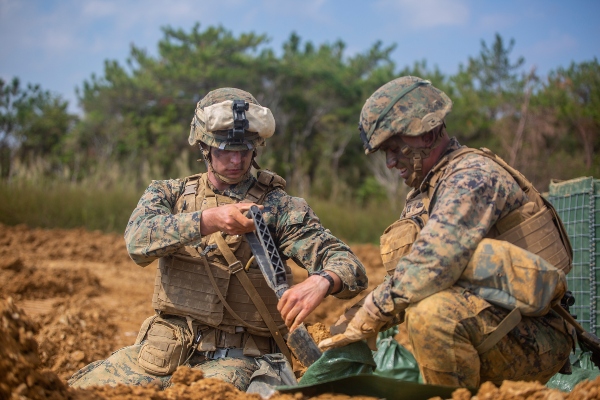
353 359
583 369
393 360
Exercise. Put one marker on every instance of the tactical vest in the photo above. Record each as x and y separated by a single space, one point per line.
535 226
211 292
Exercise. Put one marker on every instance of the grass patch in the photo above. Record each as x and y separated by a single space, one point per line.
353 222
60 204
65 205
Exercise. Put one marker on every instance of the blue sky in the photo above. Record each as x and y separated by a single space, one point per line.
60 43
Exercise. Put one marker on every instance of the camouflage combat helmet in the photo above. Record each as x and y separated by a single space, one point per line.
219 138
407 106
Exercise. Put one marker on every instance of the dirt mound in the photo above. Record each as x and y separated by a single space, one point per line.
77 333
73 329
61 244
23 378
29 282
509 390
19 360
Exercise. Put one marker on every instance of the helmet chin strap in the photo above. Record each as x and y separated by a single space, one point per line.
207 160
416 156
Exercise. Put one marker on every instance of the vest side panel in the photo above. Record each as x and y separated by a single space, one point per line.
184 288
240 302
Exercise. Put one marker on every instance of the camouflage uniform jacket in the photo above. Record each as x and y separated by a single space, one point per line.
153 231
474 193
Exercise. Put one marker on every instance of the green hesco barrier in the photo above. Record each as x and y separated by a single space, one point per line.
577 201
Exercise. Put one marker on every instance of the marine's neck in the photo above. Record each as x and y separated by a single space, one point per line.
216 182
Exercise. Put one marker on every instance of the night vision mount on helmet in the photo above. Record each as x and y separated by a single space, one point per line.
230 119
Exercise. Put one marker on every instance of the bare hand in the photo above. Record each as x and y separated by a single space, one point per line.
300 300
230 219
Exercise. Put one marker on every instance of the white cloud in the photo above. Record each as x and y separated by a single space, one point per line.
428 13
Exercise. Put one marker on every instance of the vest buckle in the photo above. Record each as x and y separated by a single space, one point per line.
236 267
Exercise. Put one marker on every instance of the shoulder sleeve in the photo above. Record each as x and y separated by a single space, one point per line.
153 230
467 203
300 236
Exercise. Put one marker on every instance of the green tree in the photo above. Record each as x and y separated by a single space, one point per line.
574 93
140 114
490 87
316 95
33 125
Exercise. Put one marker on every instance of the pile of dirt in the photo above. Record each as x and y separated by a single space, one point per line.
22 377
74 329
61 244
29 282
19 360
76 334
509 390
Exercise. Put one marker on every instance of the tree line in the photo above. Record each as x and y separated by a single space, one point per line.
136 115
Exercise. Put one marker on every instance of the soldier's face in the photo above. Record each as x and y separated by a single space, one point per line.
394 157
231 164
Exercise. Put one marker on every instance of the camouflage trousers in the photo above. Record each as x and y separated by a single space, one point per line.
256 375
445 328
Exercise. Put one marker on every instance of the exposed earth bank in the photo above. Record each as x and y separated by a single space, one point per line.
70 297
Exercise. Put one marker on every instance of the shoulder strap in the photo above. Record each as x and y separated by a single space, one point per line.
187 201
531 192
266 181
535 196
438 170
237 269
506 325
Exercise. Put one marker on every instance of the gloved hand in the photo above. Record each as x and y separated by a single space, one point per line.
365 325
342 323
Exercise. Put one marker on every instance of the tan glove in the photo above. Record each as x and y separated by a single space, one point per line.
342 323
365 325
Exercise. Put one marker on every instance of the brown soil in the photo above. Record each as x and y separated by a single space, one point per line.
70 297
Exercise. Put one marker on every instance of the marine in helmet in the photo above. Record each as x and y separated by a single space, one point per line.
208 317
468 216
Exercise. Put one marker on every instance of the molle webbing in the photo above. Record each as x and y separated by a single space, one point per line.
535 226
183 283
182 288
265 181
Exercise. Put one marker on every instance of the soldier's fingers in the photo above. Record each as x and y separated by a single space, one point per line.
244 207
243 222
372 342
335 341
290 317
290 313
299 319
283 302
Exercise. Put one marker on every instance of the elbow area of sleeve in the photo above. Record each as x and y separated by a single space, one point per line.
188 227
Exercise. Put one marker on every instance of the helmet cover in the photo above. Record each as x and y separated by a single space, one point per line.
214 103
408 106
